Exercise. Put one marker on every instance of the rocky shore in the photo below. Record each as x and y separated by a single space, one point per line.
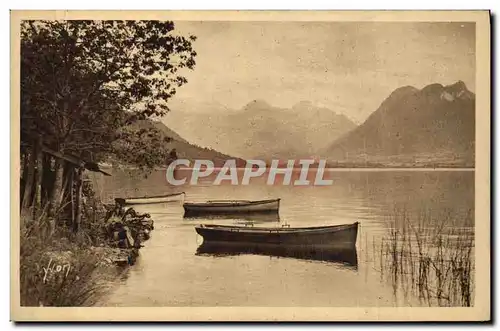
125 230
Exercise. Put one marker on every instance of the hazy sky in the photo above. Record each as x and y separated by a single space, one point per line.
348 67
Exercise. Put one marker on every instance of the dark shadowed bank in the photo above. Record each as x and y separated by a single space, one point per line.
84 87
60 267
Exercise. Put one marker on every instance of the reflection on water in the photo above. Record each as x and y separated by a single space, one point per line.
171 271
346 257
239 218
430 263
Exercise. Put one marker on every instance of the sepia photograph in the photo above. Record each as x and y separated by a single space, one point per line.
245 166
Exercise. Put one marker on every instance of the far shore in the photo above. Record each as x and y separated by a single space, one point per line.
332 169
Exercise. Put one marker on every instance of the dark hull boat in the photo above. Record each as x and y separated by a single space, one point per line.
222 207
345 256
149 199
337 236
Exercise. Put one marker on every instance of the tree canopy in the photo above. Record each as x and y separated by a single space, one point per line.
84 83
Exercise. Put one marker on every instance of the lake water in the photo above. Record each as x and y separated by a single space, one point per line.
169 272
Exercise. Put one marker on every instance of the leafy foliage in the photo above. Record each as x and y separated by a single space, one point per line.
83 83
143 147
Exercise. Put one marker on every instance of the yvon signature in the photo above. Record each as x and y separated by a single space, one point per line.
53 269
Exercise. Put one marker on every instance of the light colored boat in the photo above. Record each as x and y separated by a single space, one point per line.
231 207
149 199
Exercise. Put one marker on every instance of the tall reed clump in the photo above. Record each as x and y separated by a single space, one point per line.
430 259
57 266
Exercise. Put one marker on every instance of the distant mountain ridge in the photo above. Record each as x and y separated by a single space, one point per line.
165 131
434 125
260 130
185 149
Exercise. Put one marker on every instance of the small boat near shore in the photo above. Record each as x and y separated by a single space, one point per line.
319 237
149 199
231 207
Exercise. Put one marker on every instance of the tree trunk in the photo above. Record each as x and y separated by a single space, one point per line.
47 181
28 182
78 200
72 196
39 179
24 174
67 168
58 187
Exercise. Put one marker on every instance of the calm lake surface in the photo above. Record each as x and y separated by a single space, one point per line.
169 272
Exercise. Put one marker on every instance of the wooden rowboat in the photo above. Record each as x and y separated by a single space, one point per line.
149 199
318 237
231 207
346 256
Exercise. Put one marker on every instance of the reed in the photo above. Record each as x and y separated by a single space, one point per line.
432 260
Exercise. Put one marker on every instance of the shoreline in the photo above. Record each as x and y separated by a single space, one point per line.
75 268
330 169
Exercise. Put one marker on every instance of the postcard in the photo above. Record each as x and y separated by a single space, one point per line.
250 166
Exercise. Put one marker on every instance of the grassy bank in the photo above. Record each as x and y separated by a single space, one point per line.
60 267
434 262
57 267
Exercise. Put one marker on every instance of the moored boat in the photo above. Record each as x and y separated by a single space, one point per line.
149 199
231 207
318 237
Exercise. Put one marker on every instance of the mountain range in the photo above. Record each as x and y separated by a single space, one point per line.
261 131
428 127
